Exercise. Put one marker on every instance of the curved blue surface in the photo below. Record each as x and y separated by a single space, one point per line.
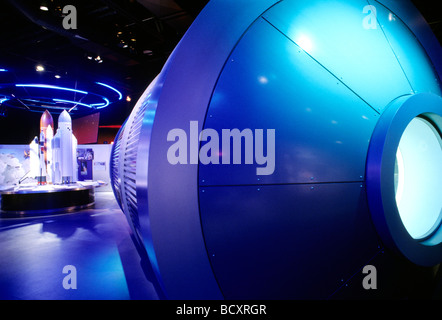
297 97
316 75
360 58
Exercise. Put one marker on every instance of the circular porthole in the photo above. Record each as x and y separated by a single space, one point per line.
404 173
418 175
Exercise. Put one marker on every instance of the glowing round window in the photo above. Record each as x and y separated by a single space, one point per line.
418 178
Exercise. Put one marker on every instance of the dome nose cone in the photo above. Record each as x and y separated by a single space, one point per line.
64 117
46 120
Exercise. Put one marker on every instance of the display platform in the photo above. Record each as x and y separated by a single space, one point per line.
34 200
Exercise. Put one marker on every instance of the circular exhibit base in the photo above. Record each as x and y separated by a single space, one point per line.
45 200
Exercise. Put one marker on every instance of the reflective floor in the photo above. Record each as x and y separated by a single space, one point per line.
96 241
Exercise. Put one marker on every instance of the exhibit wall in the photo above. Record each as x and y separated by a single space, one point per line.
15 163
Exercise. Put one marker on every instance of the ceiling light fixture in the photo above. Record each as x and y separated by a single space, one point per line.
39 68
44 8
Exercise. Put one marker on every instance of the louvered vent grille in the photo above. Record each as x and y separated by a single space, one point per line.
115 166
130 165
125 156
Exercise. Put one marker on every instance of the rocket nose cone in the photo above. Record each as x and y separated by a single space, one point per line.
46 120
64 117
49 132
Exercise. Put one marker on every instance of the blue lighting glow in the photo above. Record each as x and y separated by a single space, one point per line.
305 43
101 105
3 70
48 86
73 102
40 93
120 96
419 174
92 105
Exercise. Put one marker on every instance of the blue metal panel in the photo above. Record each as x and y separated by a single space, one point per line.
414 20
173 207
312 72
333 33
409 52
280 242
322 128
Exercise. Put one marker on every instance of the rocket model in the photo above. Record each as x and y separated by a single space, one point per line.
56 170
74 158
46 121
54 157
34 158
41 178
64 151
49 157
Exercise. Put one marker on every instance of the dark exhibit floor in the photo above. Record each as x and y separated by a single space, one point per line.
95 241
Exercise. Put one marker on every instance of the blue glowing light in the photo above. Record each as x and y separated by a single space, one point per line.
73 102
39 92
120 96
92 105
3 70
419 173
48 86
101 105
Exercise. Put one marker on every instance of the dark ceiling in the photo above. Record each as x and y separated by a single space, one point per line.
131 38
123 43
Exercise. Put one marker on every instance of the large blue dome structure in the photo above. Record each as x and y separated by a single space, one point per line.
350 93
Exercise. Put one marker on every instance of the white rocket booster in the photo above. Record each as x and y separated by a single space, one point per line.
67 144
74 159
42 170
34 158
56 165
49 153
